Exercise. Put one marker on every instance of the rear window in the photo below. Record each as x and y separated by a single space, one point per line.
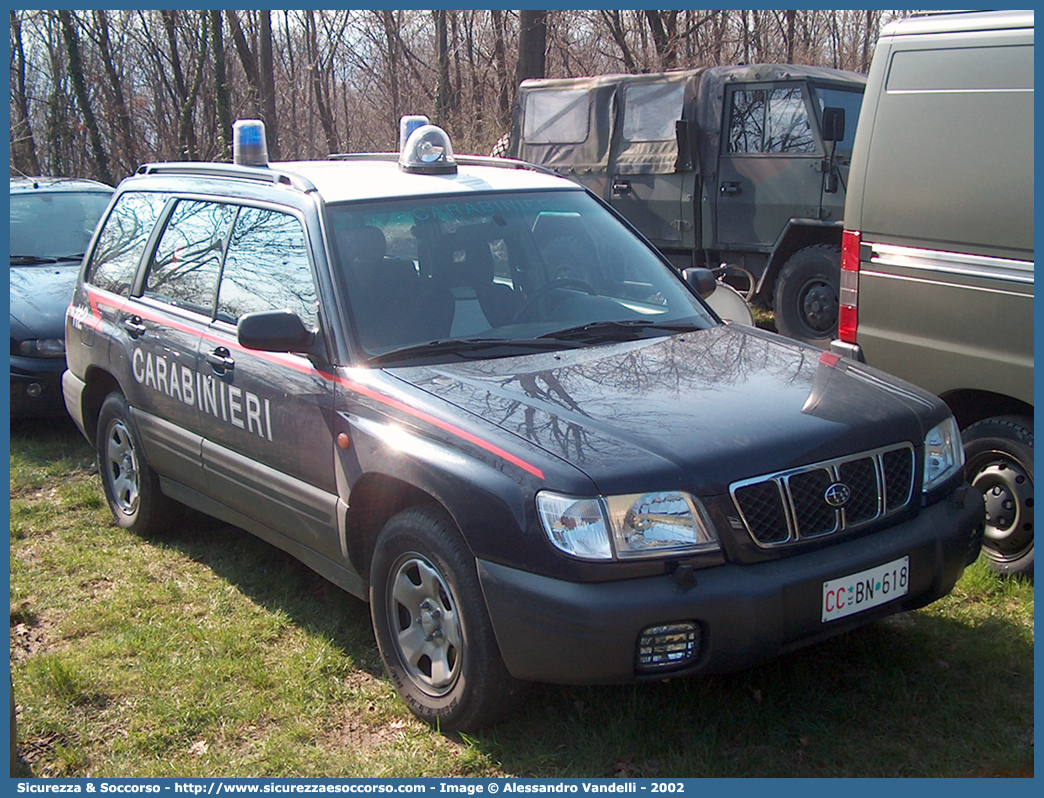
122 241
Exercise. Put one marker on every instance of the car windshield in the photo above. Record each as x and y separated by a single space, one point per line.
49 227
496 274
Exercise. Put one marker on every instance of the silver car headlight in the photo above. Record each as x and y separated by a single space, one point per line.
943 453
627 526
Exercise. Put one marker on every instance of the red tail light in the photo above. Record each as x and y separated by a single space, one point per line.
848 296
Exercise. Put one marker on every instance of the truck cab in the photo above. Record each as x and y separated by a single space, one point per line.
741 169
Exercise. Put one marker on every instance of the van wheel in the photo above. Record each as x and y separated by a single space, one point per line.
999 462
805 302
432 627
131 486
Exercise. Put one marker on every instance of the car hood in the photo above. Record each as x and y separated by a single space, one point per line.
698 410
40 296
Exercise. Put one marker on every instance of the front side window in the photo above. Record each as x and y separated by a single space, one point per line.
851 101
123 239
770 121
507 273
267 268
185 267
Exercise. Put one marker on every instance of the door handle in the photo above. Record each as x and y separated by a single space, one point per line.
220 360
621 187
133 326
730 188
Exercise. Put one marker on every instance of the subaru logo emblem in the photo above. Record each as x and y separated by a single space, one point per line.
837 494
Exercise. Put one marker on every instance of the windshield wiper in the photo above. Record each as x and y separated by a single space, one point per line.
31 260
631 330
465 347
37 260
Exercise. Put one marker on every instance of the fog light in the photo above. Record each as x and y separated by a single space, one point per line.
34 389
668 646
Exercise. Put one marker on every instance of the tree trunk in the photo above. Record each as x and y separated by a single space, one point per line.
443 101
23 146
72 46
268 96
505 96
323 108
221 93
532 45
126 156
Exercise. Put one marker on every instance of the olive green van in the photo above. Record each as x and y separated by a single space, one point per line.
937 253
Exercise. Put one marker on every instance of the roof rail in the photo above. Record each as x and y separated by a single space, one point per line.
467 160
261 174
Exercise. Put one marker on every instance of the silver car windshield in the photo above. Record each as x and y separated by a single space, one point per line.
535 269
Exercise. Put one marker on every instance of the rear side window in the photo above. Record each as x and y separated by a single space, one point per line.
770 121
556 117
650 112
267 268
185 269
122 241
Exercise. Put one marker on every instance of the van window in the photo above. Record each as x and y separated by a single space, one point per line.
770 121
962 69
122 241
650 112
556 117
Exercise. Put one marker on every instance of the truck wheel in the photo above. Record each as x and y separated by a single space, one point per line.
805 302
432 627
131 486
999 462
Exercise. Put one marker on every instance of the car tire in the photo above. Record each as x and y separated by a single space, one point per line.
432 627
131 486
999 461
806 296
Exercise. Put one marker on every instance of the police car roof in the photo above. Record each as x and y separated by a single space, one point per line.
361 177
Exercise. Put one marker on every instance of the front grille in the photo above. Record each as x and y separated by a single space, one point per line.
791 506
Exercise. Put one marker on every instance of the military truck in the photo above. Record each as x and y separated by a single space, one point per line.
741 169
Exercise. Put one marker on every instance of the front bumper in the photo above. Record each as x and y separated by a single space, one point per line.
570 633
36 387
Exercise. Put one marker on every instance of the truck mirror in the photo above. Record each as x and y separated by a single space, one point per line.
833 124
700 280
681 132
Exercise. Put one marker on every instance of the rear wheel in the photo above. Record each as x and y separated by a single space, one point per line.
999 462
131 486
806 296
432 627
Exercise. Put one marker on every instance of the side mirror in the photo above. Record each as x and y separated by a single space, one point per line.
833 124
700 280
274 331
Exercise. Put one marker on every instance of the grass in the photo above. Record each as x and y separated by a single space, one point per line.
208 653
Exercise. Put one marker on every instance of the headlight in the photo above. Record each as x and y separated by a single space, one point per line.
943 453
42 347
633 525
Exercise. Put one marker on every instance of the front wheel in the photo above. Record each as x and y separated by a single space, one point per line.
999 462
432 627
806 296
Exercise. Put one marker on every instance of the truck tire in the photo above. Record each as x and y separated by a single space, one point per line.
999 462
805 302
432 627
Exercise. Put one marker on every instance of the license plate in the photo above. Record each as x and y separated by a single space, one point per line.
854 593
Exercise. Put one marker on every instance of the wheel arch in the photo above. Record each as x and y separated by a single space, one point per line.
971 405
99 383
797 235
